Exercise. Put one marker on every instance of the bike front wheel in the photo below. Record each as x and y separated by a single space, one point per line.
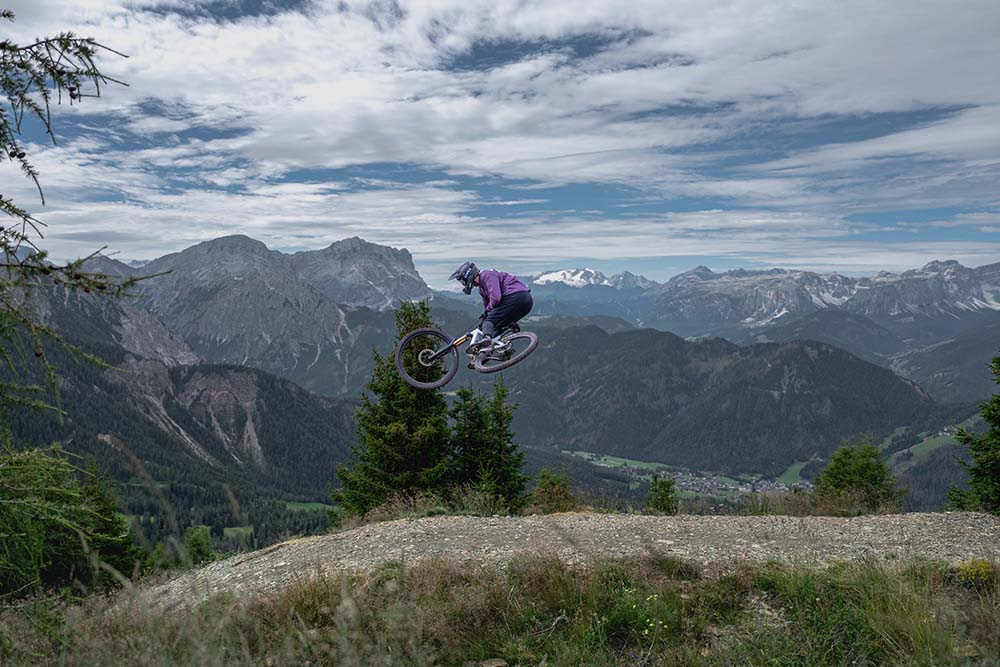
412 359
519 346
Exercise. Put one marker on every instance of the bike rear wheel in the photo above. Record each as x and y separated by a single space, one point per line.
520 346
411 359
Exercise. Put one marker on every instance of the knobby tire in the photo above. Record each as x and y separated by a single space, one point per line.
533 343
445 340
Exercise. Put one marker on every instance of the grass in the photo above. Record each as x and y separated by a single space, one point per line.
646 611
307 507
930 444
237 531
618 461
793 473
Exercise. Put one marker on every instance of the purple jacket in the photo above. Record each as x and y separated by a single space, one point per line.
495 285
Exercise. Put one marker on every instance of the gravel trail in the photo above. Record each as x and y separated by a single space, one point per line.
578 538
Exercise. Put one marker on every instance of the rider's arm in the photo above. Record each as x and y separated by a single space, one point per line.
491 281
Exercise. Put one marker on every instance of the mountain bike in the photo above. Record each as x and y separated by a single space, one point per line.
429 358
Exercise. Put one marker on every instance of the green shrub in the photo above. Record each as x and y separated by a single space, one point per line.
794 502
552 494
975 574
662 497
857 481
198 545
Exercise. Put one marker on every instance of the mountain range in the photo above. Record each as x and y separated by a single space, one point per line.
922 323
710 404
238 367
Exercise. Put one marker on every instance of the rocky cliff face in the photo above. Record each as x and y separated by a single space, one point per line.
354 272
236 302
94 320
240 419
301 316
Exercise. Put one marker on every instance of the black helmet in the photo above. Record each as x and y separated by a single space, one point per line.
465 274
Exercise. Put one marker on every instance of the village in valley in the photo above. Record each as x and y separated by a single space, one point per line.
700 482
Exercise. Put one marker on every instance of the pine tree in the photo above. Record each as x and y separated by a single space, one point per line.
55 530
984 470
470 437
486 457
505 461
198 545
403 435
111 540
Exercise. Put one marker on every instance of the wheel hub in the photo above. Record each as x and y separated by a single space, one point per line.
425 358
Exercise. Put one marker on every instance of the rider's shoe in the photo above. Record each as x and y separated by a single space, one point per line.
478 346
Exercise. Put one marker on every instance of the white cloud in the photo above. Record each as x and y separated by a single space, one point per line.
690 87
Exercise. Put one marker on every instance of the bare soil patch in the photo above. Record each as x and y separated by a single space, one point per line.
716 542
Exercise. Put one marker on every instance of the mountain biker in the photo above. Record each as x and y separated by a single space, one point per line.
505 298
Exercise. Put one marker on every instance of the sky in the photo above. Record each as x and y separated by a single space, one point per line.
850 136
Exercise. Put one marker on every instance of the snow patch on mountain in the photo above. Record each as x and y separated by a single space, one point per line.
625 280
573 277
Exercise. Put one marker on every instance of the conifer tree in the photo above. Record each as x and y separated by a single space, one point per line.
403 435
984 469
486 457
55 530
470 436
503 469
33 76
110 539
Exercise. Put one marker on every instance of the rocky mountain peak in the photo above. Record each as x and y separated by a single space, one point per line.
939 266
110 267
700 272
946 269
234 242
358 246
629 280
355 272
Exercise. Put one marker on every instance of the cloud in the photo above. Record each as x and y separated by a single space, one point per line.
740 121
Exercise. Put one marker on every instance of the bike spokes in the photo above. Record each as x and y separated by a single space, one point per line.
419 361
512 349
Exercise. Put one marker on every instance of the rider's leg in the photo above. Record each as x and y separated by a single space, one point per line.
510 309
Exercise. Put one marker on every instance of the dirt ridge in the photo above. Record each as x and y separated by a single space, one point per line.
716 542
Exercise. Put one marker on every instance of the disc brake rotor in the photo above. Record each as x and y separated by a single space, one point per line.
425 357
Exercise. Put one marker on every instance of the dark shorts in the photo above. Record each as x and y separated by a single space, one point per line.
511 308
